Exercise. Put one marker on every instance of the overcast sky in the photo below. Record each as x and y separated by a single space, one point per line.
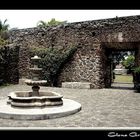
29 18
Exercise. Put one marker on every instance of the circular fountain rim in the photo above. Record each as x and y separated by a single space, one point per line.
13 95
15 107
69 107
25 99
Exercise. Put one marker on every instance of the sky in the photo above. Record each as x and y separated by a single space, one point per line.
29 18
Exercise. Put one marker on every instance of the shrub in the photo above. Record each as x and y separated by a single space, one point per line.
129 63
52 61
136 69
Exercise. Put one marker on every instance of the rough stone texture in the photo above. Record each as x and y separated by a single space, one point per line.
137 55
90 62
9 64
86 66
24 62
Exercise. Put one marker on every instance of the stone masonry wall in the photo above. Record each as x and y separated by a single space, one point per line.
137 55
9 55
85 66
88 63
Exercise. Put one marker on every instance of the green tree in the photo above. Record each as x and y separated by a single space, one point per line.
52 22
4 26
55 22
3 32
129 62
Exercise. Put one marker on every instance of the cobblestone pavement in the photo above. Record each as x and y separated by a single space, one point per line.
100 108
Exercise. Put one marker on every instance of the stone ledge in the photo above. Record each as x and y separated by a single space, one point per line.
78 85
120 71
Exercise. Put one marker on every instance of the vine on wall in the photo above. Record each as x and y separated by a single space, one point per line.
52 61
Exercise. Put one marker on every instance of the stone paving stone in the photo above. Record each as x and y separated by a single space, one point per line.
110 107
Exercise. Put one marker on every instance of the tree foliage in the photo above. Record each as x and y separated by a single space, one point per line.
136 69
3 25
52 22
3 32
52 61
129 62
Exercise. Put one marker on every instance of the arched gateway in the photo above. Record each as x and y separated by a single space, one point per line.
95 40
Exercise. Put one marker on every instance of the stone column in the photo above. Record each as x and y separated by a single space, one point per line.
136 77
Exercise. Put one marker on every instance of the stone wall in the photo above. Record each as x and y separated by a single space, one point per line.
85 66
89 63
137 54
9 58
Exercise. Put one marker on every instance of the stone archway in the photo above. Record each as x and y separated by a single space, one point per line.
91 63
117 47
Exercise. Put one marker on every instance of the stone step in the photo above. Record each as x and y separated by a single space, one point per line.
77 85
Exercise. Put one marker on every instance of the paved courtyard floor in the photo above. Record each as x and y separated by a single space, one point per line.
114 107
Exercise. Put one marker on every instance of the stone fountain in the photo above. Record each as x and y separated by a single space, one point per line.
36 104
35 82
35 98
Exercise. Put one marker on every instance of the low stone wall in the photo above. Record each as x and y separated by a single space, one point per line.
77 85
120 71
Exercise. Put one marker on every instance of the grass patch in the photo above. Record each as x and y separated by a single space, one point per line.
123 78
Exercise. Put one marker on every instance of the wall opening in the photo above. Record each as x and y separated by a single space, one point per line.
121 59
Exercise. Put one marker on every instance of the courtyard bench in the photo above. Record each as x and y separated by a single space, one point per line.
77 85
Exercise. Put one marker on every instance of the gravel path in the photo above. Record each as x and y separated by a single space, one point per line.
100 108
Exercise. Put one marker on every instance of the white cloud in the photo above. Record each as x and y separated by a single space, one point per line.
29 18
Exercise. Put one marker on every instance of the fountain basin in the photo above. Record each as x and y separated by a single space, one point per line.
36 83
25 99
69 107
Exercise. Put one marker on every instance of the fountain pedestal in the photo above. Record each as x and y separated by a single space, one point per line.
35 74
35 90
